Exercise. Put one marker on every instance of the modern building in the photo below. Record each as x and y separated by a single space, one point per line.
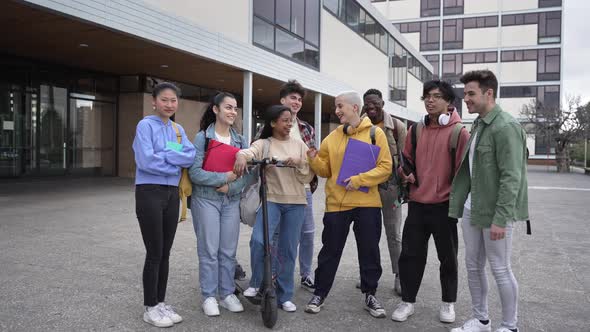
520 40
77 75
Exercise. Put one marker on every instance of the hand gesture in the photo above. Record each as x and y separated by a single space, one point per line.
223 189
497 232
240 165
230 176
312 153
349 185
292 161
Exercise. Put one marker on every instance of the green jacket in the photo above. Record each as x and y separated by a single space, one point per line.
499 182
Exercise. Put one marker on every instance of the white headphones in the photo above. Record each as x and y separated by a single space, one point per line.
443 119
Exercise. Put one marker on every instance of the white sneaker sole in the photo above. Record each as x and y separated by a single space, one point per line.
157 324
446 320
313 310
402 319
376 314
231 310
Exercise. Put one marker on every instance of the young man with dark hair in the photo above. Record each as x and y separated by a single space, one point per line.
490 194
291 95
433 148
395 131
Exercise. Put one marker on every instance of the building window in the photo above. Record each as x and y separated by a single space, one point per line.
356 18
549 3
399 75
452 67
549 27
453 7
480 22
429 8
546 95
548 61
434 61
290 28
453 34
429 33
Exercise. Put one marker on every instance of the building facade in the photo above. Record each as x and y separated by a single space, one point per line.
521 41
77 75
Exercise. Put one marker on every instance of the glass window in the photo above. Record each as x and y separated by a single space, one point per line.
352 14
399 73
453 34
383 39
265 9
332 6
312 22
549 27
452 67
370 29
312 55
429 8
434 61
263 34
548 65
283 13
430 36
298 17
453 7
549 3
289 45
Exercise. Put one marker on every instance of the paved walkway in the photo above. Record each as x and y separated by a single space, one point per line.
71 257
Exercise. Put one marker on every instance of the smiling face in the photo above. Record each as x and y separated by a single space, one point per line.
166 103
373 107
477 101
294 101
282 126
227 111
346 111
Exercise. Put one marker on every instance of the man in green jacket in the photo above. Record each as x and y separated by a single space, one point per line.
490 193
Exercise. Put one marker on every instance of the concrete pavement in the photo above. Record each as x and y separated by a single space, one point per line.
71 257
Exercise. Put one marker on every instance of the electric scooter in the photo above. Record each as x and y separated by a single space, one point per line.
266 297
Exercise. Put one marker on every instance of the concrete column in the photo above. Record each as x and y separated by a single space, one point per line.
247 107
317 112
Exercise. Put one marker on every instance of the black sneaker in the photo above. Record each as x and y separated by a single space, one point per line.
315 304
307 283
373 306
239 274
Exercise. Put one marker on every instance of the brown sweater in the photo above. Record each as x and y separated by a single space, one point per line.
285 184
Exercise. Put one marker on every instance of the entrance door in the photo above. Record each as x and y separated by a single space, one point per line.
51 127
10 130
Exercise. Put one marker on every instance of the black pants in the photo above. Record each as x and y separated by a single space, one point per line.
367 231
156 207
424 220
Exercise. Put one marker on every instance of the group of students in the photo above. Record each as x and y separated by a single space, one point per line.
450 174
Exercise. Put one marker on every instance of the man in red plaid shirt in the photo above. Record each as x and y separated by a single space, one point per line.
292 94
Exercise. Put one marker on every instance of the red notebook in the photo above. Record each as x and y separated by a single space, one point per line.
219 157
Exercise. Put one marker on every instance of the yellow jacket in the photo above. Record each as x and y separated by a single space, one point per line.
329 159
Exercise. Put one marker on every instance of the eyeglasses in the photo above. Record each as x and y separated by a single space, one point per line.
435 97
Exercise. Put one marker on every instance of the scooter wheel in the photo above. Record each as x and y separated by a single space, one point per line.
269 309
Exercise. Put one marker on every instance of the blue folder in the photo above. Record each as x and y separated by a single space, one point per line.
359 157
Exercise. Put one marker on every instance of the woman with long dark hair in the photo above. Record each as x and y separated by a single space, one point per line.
215 207
286 200
159 161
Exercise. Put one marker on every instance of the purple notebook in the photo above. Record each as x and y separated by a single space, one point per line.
359 157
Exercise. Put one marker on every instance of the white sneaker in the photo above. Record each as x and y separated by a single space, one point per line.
169 312
504 329
288 306
403 311
447 312
210 307
232 303
155 317
251 292
473 325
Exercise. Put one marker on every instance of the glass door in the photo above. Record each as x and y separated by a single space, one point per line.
51 126
10 130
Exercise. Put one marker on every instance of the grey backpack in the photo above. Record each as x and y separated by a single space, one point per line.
250 196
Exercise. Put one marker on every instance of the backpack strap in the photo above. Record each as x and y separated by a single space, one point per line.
178 134
454 141
372 133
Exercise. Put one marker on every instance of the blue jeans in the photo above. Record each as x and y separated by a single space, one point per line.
290 219
217 226
306 240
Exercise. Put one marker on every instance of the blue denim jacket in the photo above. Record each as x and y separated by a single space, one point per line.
204 182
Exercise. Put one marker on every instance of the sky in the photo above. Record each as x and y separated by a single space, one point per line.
576 53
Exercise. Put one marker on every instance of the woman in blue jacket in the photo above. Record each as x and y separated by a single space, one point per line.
159 161
215 207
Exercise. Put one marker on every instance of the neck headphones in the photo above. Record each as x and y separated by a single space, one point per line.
443 119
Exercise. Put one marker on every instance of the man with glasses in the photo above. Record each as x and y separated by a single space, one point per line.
432 152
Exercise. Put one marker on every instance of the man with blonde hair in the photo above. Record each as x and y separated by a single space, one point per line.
346 204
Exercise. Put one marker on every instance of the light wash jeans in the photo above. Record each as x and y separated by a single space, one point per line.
289 219
306 239
478 248
217 226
